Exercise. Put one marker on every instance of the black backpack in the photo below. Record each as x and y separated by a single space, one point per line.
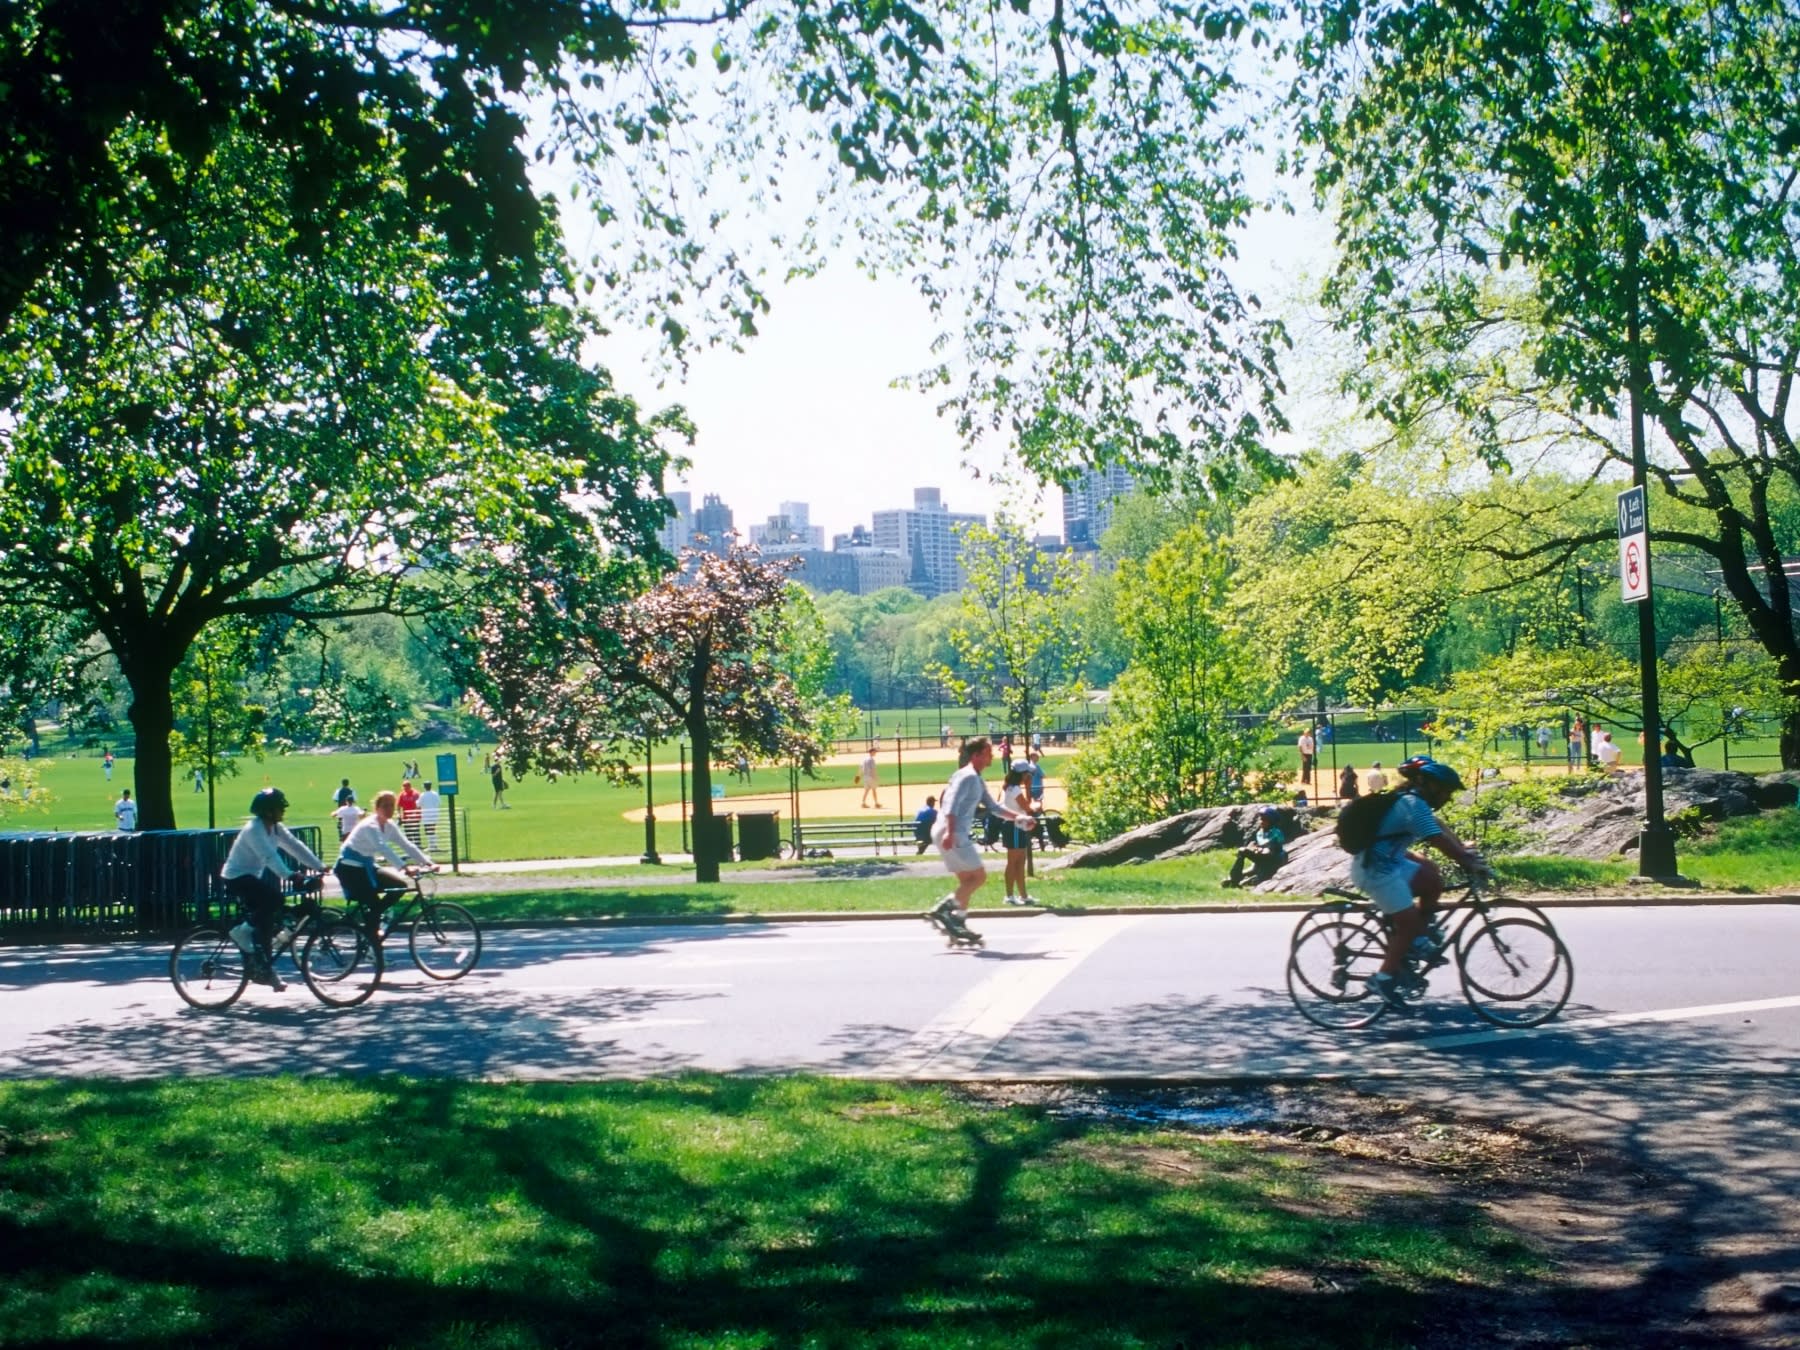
1359 821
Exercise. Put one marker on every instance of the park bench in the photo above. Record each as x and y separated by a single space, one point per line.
894 836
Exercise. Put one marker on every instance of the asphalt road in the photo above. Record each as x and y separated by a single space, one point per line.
1679 1046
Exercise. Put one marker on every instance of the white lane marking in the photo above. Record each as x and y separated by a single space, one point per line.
965 1033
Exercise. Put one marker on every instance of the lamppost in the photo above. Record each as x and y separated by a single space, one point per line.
212 818
650 854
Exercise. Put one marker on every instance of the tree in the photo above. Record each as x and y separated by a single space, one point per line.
1019 635
1548 209
571 687
1174 738
261 430
1060 182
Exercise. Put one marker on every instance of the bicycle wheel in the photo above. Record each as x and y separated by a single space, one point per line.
208 970
445 941
1332 911
340 964
1516 972
1329 967
1496 908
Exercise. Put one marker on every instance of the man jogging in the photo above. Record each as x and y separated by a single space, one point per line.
954 837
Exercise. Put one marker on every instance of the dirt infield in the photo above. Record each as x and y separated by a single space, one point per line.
844 803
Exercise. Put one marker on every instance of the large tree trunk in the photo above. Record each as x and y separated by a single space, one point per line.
152 714
706 861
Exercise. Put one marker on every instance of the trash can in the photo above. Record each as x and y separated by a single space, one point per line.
759 835
717 840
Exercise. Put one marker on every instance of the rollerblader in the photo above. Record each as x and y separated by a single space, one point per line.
952 833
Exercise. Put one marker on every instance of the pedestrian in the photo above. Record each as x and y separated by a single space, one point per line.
1034 768
1377 779
922 823
1577 739
1543 740
344 793
1006 751
199 779
497 777
1015 798
409 810
1347 785
869 777
1308 749
346 814
956 843
944 738
106 763
125 811
431 805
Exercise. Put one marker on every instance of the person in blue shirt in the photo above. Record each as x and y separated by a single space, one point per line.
922 823
1264 854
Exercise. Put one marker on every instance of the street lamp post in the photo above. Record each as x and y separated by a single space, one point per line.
650 854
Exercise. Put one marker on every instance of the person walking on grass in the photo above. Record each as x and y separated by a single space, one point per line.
497 776
125 811
954 837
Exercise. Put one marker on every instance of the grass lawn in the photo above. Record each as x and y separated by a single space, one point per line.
570 818
685 1213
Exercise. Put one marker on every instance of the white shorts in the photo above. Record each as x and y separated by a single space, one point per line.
960 858
1390 891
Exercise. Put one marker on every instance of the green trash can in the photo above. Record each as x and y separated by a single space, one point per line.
758 835
717 836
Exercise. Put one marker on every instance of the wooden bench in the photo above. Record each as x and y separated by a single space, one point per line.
890 835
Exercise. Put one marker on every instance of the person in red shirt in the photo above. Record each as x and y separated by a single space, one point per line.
410 818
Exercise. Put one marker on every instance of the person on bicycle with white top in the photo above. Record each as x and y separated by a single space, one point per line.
1400 883
358 869
253 873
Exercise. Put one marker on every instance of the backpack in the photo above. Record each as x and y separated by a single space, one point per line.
1359 821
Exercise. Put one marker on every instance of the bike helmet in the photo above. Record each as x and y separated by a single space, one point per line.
268 803
1267 813
1424 766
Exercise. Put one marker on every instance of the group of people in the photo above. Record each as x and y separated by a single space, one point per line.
266 855
420 809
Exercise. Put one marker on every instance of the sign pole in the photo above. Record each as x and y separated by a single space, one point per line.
447 789
1656 846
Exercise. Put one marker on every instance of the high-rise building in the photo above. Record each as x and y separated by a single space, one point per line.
788 530
677 532
929 536
1088 504
713 520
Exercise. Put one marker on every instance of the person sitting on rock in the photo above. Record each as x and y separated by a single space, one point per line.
1264 854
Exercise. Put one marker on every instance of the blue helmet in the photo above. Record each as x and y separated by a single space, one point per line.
1424 766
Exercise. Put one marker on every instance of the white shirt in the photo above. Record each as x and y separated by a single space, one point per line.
429 804
1608 753
1377 780
1306 743
868 767
346 816
962 794
258 848
371 838
125 812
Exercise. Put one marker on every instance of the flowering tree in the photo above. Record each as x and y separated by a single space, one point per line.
570 688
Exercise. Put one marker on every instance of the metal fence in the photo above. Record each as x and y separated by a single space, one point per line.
144 881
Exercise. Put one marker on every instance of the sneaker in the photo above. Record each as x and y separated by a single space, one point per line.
1387 989
1018 899
245 937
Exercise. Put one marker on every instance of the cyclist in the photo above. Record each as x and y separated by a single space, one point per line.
1402 885
253 872
358 870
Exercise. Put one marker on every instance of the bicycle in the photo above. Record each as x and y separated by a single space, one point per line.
1512 965
209 970
443 938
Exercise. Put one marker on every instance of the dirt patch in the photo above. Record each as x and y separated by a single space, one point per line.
1619 1255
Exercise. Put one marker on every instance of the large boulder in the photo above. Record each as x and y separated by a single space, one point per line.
1200 831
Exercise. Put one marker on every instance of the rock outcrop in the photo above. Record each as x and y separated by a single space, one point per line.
1590 817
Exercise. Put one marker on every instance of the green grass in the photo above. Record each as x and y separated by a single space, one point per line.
1755 853
694 1212
570 818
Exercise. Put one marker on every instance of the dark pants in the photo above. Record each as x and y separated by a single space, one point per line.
354 878
1263 864
262 898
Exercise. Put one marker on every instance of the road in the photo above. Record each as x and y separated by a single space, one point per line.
1679 1046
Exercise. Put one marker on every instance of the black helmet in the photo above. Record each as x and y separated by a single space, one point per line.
268 803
